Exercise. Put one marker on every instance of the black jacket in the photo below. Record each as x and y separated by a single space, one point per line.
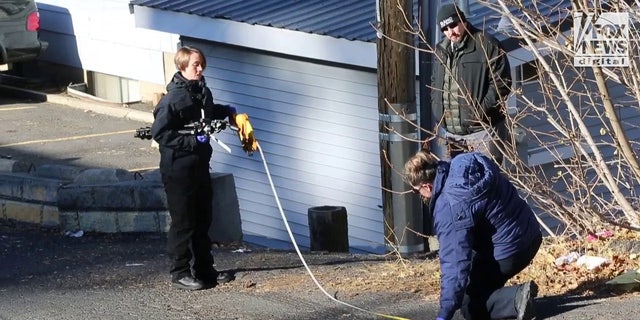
487 82
180 153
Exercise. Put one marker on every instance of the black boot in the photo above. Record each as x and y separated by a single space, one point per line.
188 283
224 277
212 277
524 300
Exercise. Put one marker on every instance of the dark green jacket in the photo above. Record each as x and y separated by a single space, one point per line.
486 81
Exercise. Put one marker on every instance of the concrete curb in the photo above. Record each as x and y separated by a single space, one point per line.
128 196
110 109
101 108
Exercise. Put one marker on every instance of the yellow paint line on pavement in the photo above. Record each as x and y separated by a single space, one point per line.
67 138
16 108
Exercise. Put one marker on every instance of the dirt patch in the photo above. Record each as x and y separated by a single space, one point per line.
350 275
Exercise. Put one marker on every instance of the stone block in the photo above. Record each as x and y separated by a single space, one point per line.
11 186
29 188
126 196
152 176
164 220
22 211
57 171
102 176
138 221
41 189
50 216
73 197
12 166
69 220
149 196
123 206
113 197
98 221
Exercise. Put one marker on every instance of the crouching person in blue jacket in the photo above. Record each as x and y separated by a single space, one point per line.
486 232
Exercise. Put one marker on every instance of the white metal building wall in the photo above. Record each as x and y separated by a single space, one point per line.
100 35
318 127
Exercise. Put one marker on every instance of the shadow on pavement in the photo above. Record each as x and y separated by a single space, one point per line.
552 306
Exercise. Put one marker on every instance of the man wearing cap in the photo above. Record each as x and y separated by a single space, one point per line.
471 80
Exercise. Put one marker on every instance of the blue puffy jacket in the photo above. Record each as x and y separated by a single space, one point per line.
476 209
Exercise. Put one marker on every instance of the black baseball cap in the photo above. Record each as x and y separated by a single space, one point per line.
448 14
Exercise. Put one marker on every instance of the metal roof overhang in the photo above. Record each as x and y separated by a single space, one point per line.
288 42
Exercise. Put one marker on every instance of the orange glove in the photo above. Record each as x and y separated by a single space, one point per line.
245 133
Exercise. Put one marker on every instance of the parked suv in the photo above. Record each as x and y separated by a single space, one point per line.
19 25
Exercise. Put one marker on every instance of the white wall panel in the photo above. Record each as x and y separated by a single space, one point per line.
101 36
318 127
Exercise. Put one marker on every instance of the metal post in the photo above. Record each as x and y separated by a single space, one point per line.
396 85
428 11
406 211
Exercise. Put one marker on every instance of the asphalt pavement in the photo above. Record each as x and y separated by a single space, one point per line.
75 132
49 275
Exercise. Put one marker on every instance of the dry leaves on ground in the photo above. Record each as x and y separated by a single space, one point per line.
422 276
578 280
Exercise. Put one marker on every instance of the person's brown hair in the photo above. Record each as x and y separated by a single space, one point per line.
420 168
183 54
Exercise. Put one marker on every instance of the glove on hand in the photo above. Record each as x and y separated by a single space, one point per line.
202 139
245 133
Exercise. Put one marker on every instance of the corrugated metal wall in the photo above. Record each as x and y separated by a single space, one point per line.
318 127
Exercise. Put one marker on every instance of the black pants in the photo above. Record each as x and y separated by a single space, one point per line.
189 203
486 296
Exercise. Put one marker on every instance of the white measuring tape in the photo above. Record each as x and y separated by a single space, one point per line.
295 245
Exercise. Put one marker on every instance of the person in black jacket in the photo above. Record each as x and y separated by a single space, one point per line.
486 232
184 167
470 84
